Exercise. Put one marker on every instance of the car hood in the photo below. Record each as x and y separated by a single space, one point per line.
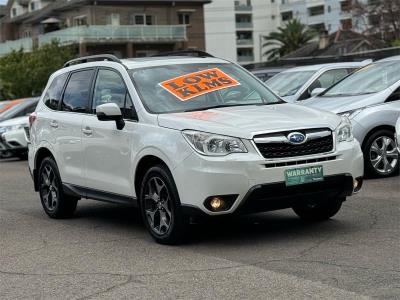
289 99
16 121
342 104
247 121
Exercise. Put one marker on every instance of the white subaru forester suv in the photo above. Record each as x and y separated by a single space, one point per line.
185 136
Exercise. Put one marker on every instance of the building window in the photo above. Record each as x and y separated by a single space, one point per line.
80 21
345 6
184 18
329 9
14 12
143 20
316 10
320 27
287 15
346 24
113 20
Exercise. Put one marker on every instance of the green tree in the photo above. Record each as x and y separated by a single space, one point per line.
287 39
26 74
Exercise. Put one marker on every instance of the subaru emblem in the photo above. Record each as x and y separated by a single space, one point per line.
296 138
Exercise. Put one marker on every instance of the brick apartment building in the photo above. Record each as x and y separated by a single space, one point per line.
126 28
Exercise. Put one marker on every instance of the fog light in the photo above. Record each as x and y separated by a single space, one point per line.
355 184
217 203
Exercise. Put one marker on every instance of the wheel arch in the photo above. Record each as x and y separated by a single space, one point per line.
375 129
40 155
145 163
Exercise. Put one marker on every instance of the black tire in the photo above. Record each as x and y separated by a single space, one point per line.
159 200
319 211
55 202
370 155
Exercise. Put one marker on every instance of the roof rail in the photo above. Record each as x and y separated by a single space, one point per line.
195 53
84 59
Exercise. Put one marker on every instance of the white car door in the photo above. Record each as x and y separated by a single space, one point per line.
67 126
107 150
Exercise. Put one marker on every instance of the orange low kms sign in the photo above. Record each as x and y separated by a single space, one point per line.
198 83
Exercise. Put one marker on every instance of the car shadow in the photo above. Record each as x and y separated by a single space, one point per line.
247 229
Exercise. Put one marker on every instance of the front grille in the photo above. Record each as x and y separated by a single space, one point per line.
299 162
277 145
27 133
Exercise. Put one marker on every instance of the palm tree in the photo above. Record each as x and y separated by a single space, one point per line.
287 39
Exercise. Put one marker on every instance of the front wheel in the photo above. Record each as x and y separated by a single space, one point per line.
319 211
381 155
160 207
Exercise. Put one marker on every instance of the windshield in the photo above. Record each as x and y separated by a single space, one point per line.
288 83
191 87
370 79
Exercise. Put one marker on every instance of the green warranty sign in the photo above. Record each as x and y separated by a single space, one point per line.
304 175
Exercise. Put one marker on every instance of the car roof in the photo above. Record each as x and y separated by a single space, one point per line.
390 58
328 66
136 63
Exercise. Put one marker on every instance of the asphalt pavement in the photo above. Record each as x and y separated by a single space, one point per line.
104 252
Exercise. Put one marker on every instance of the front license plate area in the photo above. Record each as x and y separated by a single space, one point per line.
304 175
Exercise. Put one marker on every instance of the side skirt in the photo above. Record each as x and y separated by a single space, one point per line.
88 193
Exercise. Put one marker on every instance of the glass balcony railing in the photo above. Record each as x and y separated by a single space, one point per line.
245 58
243 8
244 42
8 46
106 33
242 25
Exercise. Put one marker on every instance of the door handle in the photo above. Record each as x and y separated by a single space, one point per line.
54 124
87 131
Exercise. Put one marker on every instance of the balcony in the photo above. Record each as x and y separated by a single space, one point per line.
108 33
245 58
243 8
244 42
244 25
8 46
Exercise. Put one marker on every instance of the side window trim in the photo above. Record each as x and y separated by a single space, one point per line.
92 110
62 92
66 84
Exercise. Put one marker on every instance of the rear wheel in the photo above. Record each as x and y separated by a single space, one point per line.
319 211
55 202
381 155
160 207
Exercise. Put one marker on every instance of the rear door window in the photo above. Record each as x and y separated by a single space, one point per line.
77 92
53 95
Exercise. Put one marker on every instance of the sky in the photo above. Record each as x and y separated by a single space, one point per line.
3 1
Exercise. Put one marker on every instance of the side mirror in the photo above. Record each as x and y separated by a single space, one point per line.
317 91
110 112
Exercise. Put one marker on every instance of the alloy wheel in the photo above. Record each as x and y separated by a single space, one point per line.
383 155
157 206
49 188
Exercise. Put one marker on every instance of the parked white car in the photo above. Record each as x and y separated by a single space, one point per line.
14 137
371 99
182 136
300 83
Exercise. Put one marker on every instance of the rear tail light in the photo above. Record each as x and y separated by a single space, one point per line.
32 119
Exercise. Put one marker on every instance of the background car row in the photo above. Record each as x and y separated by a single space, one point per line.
14 127
369 95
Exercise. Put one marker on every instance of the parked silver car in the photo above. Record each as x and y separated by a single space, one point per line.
371 99
300 83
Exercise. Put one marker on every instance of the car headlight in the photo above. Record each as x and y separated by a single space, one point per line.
213 144
9 128
350 113
344 132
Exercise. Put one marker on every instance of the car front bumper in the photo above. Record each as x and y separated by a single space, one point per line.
252 179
